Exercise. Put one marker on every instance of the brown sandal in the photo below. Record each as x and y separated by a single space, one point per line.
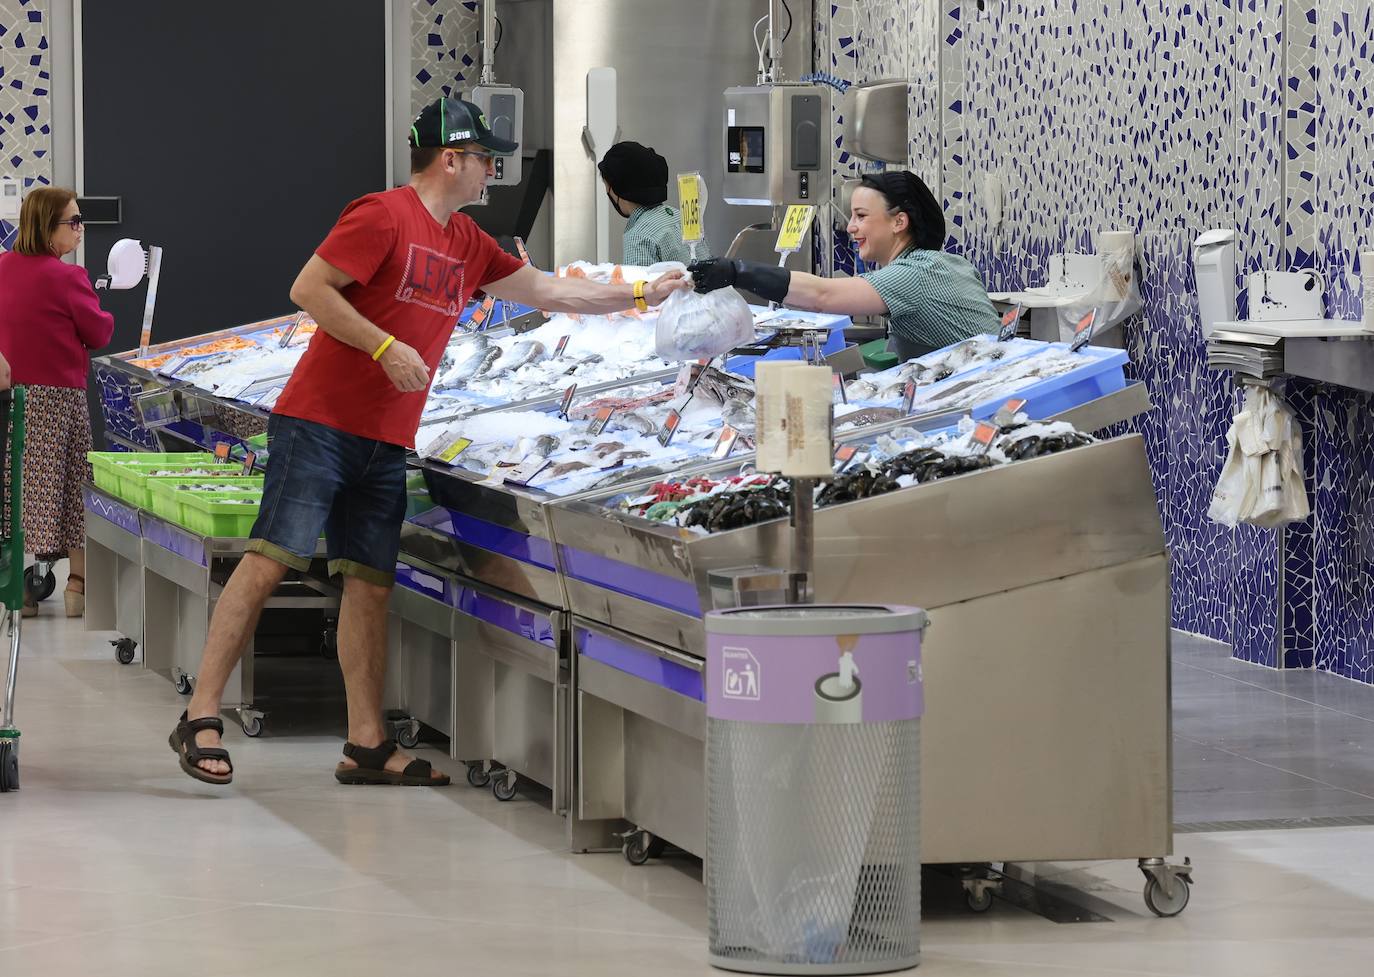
183 743
371 768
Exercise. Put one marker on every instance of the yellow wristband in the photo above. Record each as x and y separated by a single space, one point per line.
383 348
640 304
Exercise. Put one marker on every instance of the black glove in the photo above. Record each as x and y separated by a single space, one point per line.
767 281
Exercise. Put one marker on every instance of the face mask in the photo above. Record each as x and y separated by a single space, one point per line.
616 206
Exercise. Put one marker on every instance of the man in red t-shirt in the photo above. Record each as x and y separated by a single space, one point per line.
385 287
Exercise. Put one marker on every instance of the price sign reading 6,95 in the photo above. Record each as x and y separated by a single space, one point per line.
794 227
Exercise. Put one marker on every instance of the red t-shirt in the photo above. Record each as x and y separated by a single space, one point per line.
411 278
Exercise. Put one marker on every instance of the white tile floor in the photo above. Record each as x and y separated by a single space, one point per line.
113 862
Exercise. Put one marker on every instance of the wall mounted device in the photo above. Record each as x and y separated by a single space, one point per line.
11 198
1285 296
776 145
1214 267
504 107
101 210
875 121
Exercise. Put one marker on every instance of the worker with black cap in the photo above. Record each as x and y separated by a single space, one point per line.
636 181
385 289
931 298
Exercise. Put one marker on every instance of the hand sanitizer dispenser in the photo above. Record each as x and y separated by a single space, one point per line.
1214 266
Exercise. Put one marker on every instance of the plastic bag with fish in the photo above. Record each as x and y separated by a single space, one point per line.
692 326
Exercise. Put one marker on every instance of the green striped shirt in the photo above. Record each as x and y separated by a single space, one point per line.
933 299
654 234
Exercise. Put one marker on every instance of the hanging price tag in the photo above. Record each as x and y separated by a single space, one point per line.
838 394
567 400
1011 319
795 224
669 428
908 396
845 455
599 421
983 436
562 345
453 449
1083 331
725 444
248 459
689 204
222 451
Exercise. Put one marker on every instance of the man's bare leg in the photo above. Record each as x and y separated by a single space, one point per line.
362 656
234 621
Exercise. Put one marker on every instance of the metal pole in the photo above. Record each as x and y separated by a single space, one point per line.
803 539
774 47
488 42
7 713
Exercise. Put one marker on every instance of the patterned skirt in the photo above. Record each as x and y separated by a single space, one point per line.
57 435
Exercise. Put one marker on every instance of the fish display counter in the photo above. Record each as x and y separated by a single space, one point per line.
1041 563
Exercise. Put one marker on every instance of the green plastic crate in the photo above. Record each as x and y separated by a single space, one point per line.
167 499
877 355
105 465
211 514
135 480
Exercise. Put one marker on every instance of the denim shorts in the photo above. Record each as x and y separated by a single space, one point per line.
323 479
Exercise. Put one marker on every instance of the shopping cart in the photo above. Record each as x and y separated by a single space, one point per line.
12 585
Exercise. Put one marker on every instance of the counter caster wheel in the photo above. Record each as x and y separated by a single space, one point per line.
9 765
183 684
642 846
39 588
408 734
252 726
503 788
978 900
477 776
124 650
1167 902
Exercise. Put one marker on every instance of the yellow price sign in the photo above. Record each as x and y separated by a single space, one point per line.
453 450
689 206
794 227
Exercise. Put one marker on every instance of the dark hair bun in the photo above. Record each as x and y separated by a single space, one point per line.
908 193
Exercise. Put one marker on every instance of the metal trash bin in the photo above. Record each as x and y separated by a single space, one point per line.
813 756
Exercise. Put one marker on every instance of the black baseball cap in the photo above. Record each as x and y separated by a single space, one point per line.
450 121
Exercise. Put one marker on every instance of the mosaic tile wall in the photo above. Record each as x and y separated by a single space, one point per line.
25 108
444 49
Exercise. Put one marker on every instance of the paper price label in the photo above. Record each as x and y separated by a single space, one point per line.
567 400
908 396
795 224
669 428
725 444
1007 412
983 436
248 459
453 449
838 394
233 389
1083 331
482 313
562 345
600 420
1010 320
844 455
520 249
523 473
689 206
222 451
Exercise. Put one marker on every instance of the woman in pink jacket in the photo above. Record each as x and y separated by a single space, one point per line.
50 320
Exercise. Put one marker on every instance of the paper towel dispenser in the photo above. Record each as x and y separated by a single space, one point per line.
776 145
875 121
1214 267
